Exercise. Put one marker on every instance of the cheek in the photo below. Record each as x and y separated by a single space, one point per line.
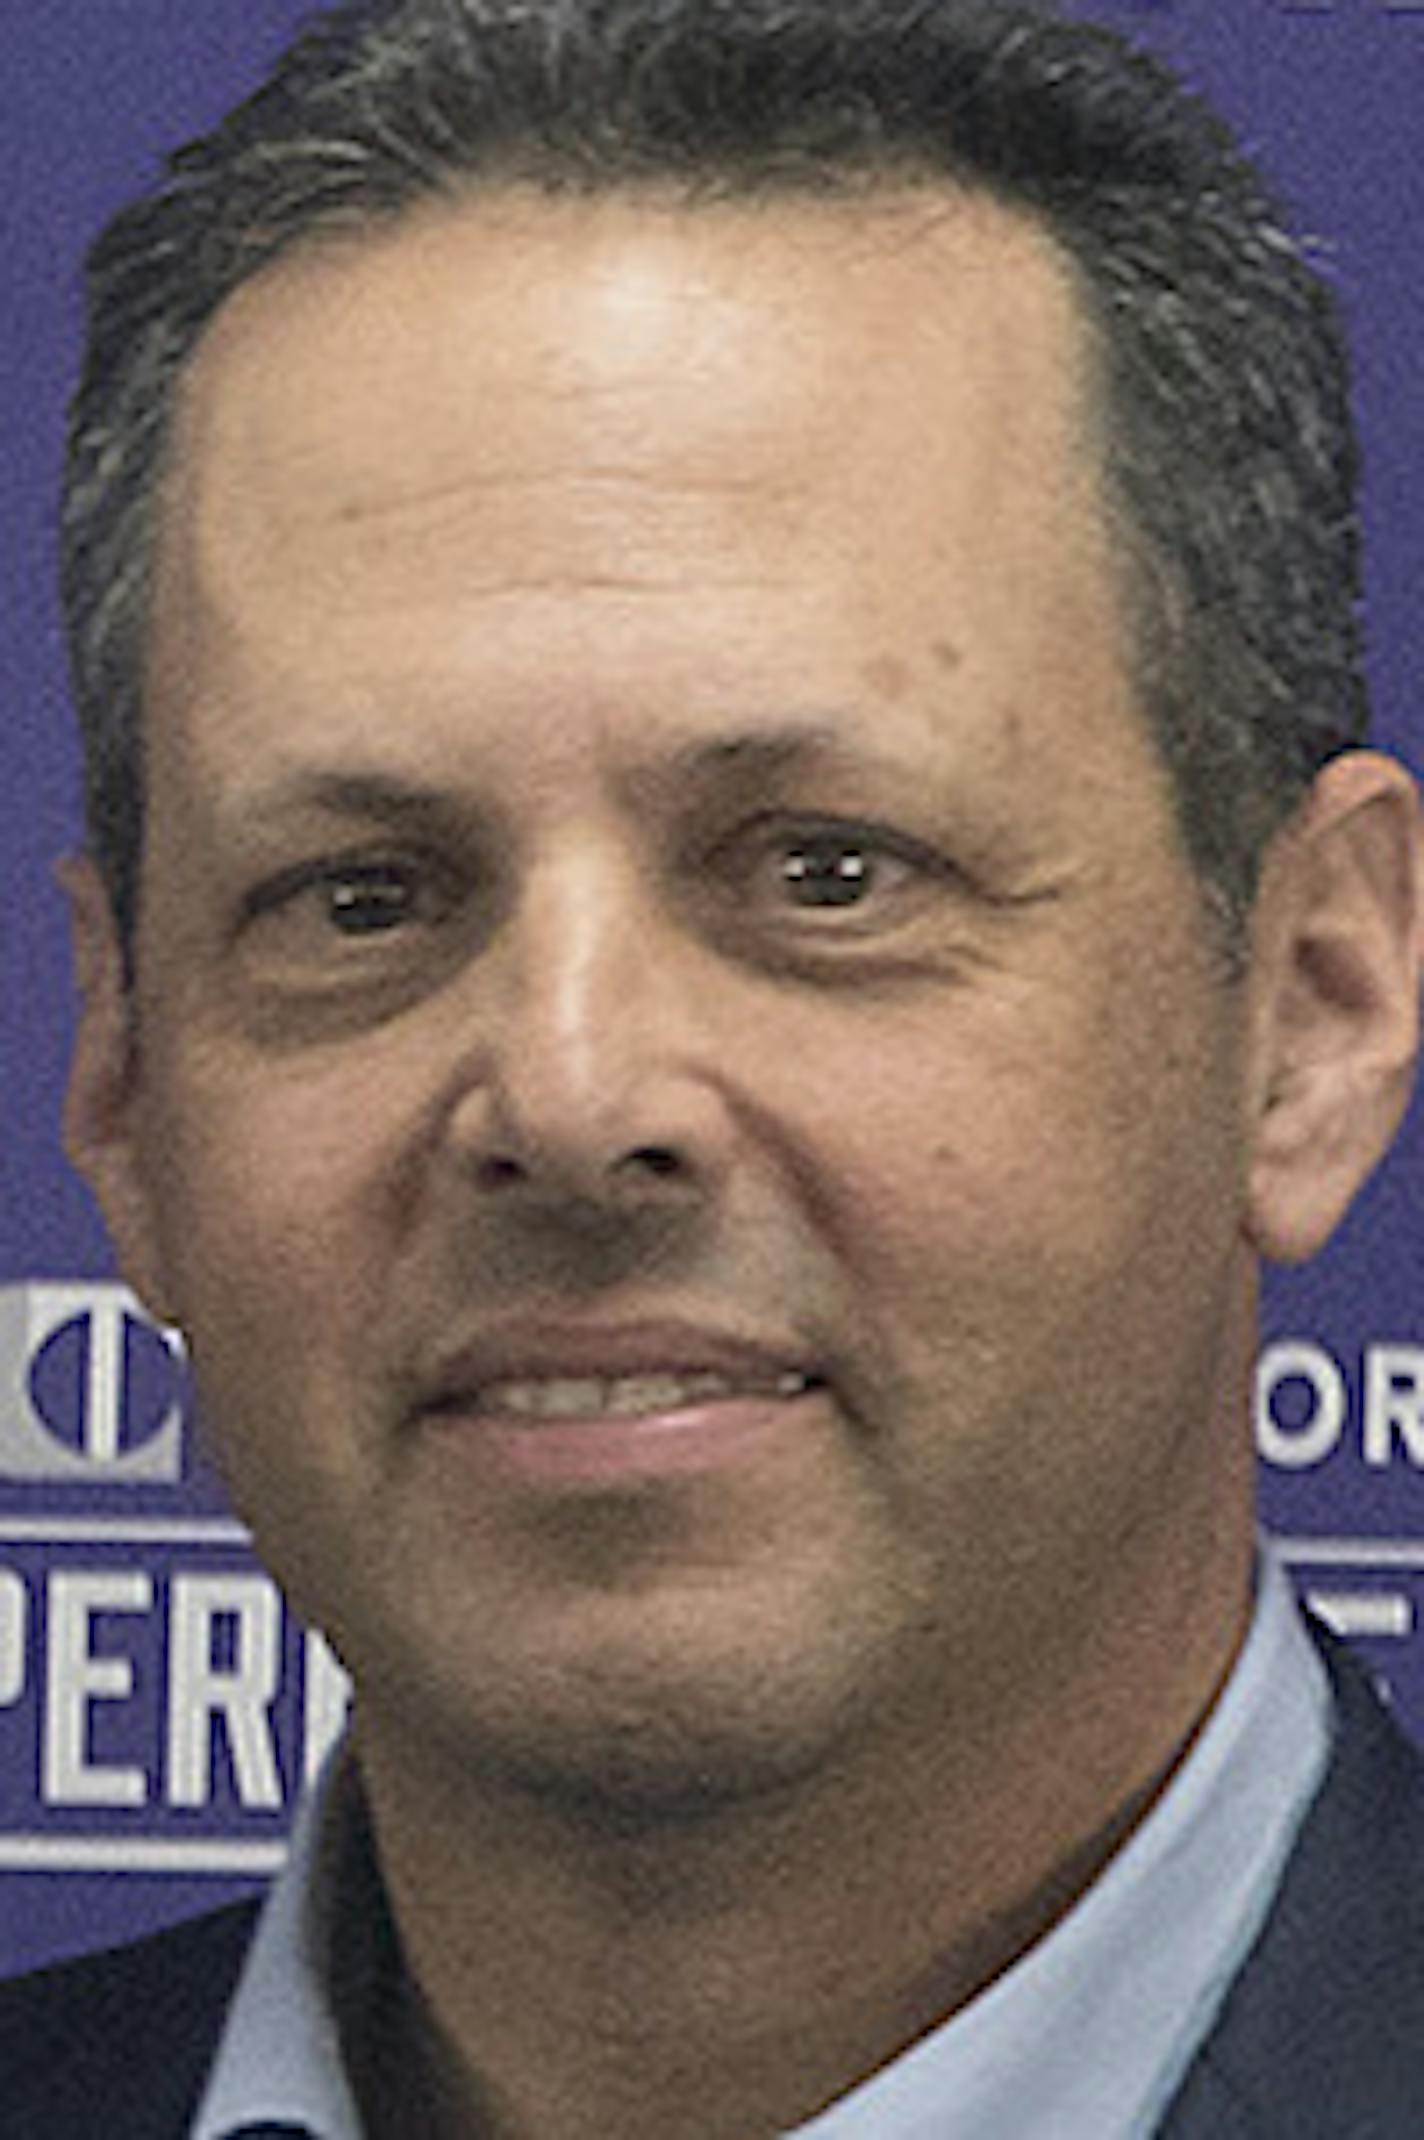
283 1287
277 1198
956 1127
993 1169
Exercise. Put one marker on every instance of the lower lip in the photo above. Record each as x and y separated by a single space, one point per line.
609 1450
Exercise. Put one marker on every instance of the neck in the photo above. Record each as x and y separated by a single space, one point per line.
570 1973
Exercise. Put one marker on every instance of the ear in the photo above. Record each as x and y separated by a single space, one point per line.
1338 942
103 1103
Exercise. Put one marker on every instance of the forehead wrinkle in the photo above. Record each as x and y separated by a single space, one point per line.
488 533
284 318
241 434
511 478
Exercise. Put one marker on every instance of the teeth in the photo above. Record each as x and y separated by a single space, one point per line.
623 1396
568 1398
632 1394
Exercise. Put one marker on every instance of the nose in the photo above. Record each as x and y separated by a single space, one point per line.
595 1072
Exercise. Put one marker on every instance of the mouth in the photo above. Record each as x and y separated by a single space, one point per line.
640 1396
616 1405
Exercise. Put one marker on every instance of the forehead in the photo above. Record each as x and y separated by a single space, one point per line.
510 340
576 464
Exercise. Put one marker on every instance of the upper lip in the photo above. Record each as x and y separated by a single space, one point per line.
544 1351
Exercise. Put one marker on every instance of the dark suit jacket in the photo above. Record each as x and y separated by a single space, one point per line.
1321 2037
1322 2034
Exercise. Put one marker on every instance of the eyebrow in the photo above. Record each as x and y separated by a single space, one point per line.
758 753
384 797
748 756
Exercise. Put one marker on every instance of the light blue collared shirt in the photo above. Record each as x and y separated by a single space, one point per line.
1087 2037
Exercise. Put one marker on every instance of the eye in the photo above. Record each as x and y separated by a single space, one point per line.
865 873
835 870
372 898
356 898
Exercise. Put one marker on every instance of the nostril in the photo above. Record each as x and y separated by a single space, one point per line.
655 1159
579 1175
500 1172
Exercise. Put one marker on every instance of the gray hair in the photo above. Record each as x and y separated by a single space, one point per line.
1228 455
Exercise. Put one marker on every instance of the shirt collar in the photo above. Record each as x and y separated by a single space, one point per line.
279 2057
1089 2036
1086 2038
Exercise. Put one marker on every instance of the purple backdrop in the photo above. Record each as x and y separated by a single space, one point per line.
157 1709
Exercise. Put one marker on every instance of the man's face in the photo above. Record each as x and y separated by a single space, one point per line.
680 1092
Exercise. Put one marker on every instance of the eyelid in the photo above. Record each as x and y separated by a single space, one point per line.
785 828
281 892
297 877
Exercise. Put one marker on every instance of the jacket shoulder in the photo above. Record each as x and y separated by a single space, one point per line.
1322 2033
119 2042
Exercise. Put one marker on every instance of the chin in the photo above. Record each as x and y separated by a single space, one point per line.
625 1745
633 1781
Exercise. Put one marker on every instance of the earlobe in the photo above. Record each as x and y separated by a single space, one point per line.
1336 985
101 1130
